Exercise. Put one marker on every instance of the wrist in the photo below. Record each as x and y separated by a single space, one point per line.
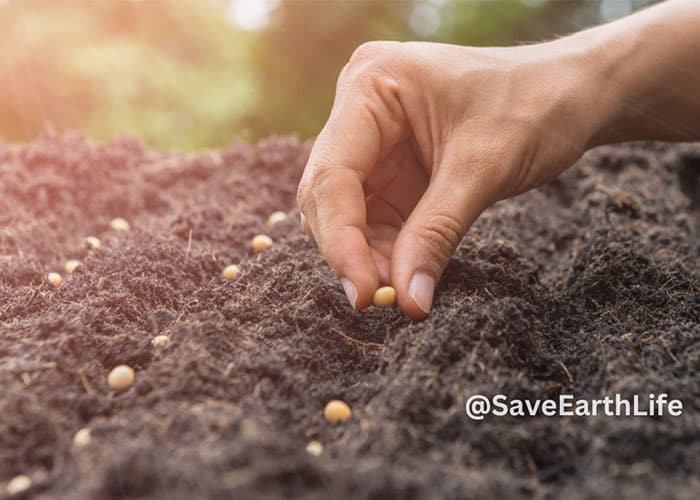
610 94
637 67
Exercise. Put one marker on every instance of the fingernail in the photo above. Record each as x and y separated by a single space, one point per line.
421 290
350 291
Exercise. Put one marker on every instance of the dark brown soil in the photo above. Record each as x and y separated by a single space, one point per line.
589 285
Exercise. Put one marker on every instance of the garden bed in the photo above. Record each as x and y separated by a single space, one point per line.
589 285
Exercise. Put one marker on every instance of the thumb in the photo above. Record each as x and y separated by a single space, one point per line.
429 238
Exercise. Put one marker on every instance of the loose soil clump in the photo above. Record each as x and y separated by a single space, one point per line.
589 285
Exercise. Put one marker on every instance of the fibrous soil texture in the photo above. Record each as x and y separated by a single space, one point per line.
588 286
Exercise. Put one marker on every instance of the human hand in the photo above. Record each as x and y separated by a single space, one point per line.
421 139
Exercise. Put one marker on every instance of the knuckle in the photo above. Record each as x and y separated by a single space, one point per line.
368 51
343 76
321 180
442 233
368 62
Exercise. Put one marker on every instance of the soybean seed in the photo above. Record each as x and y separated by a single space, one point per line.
160 341
55 279
385 297
121 378
18 484
94 242
337 411
261 242
82 438
314 448
276 218
231 272
119 224
71 265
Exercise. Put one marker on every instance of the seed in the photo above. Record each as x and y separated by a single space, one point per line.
18 484
385 297
121 378
119 224
160 341
55 279
276 218
71 265
82 438
231 272
336 411
261 242
314 448
94 242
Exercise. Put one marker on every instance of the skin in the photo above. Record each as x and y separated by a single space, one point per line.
423 137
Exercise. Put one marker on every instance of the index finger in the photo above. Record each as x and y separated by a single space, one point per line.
366 120
332 198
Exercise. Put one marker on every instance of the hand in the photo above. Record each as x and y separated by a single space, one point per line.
421 139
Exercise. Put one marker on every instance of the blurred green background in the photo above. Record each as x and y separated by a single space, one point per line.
192 74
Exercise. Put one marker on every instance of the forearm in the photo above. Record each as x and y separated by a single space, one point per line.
648 69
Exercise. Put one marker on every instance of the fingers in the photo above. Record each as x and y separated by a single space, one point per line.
332 200
429 238
338 220
383 225
364 122
404 188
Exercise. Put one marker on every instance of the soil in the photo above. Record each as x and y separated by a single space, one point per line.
589 286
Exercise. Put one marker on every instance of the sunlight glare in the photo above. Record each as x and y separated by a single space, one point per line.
251 15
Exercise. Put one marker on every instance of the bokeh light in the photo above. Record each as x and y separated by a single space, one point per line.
195 74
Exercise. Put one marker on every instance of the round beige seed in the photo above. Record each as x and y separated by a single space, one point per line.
93 241
71 265
231 272
314 448
82 438
261 242
55 279
337 411
385 297
18 484
119 224
121 378
160 341
276 218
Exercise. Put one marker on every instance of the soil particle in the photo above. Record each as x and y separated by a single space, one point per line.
589 285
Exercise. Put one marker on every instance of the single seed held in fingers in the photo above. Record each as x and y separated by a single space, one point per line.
18 484
276 218
314 448
385 297
71 265
119 224
231 272
55 279
261 242
82 438
94 242
121 378
160 341
337 411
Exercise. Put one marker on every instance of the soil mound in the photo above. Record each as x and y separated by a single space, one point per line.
589 285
